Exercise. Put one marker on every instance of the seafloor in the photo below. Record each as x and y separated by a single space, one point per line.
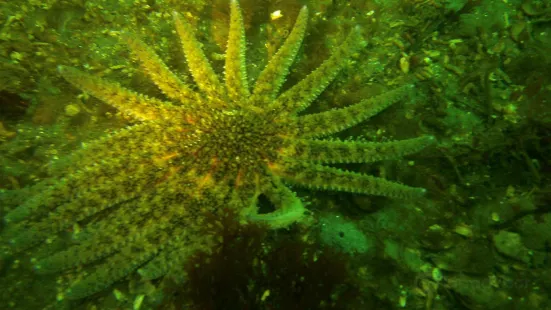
479 239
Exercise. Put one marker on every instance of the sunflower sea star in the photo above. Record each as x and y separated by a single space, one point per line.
138 195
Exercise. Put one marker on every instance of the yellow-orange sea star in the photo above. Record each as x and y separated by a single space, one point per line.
137 195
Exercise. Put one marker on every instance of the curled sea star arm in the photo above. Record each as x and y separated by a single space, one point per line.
289 208
272 77
132 104
330 122
299 97
159 73
199 66
330 178
235 66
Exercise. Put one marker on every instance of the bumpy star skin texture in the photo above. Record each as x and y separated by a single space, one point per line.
139 196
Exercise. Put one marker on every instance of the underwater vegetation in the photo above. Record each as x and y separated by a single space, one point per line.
253 268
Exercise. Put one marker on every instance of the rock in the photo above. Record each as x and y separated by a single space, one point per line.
510 244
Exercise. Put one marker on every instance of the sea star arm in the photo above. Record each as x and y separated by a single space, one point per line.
86 204
333 121
135 105
199 66
159 73
322 177
324 151
175 253
104 237
132 234
123 141
235 66
87 192
299 97
272 77
117 266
